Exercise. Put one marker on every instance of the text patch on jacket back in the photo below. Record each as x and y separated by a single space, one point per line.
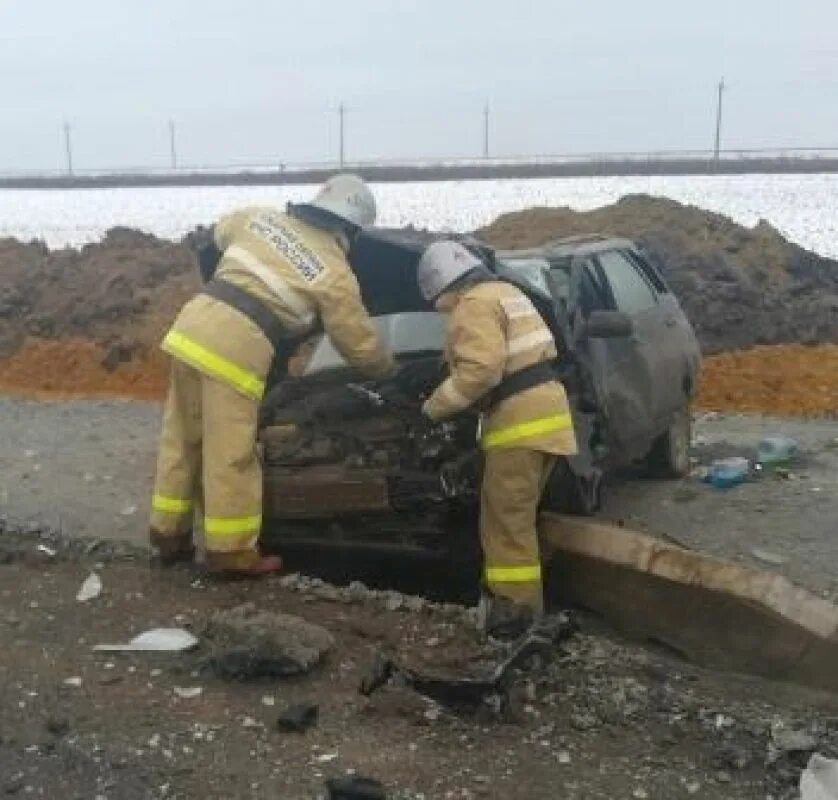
289 246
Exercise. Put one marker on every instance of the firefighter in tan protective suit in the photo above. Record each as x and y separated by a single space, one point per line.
500 355
279 274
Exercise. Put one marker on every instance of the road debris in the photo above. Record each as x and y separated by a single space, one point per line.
767 557
298 718
156 640
469 692
188 692
725 473
355 788
90 589
247 643
819 780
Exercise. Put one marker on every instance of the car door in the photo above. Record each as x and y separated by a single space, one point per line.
677 350
626 372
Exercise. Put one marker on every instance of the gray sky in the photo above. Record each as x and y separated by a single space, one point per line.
259 81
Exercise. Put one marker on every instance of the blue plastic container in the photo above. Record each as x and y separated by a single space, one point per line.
726 473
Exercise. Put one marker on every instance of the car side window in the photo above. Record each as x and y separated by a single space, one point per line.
632 292
593 293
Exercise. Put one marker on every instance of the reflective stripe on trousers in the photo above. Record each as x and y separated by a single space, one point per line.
208 362
513 574
525 430
224 533
171 505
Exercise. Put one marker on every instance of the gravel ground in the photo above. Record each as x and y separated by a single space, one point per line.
600 718
85 467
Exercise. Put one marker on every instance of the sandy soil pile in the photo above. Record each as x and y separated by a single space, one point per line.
739 286
780 379
88 321
121 292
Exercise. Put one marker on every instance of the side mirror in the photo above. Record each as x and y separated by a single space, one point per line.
607 325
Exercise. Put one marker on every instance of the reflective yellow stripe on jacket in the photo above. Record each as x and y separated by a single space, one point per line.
171 505
525 574
217 366
525 430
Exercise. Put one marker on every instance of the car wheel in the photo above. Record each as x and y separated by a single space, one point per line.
670 453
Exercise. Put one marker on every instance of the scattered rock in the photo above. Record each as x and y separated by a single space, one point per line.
246 643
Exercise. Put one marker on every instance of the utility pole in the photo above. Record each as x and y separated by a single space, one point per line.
172 144
342 116
718 146
68 147
486 130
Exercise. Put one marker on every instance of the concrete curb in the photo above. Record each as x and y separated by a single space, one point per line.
711 611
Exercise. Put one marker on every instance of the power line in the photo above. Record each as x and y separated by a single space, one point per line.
341 115
172 144
68 148
486 130
718 146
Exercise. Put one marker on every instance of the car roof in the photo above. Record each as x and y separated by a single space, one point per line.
582 245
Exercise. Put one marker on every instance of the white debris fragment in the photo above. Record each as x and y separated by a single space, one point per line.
325 758
188 692
128 511
74 681
47 551
90 589
767 557
157 640
269 701
819 780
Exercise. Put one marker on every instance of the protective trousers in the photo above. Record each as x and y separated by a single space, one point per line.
208 443
513 482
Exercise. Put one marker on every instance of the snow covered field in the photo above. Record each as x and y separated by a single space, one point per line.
804 207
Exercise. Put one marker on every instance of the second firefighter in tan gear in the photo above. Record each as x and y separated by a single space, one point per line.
296 265
494 332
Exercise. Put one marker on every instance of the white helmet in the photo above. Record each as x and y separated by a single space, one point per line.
442 265
348 198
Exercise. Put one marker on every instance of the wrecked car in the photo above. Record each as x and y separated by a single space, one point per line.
353 464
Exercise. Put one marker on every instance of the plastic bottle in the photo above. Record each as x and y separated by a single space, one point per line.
776 451
728 472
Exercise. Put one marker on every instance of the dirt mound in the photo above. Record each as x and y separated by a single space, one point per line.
121 292
63 369
790 379
739 286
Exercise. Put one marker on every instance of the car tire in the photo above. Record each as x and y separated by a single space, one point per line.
670 453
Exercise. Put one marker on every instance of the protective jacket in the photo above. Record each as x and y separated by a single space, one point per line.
495 331
298 271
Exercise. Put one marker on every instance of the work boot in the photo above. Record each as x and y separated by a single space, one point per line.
505 620
247 564
169 550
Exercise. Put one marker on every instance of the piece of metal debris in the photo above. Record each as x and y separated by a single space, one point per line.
461 692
